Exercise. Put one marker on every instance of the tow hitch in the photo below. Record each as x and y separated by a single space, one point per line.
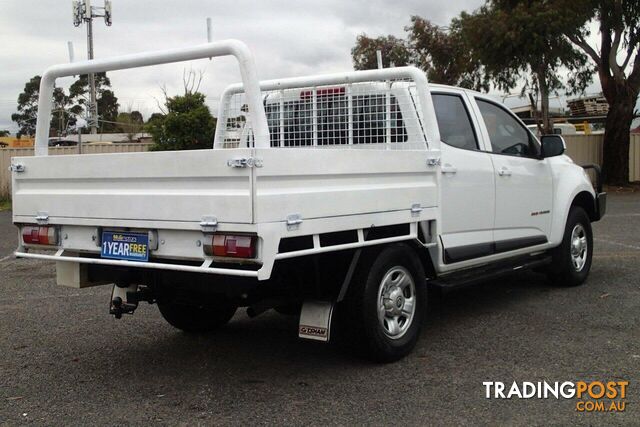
125 298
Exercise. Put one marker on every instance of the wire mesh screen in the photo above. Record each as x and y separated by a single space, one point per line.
358 114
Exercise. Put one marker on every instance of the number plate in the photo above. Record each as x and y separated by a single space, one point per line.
126 246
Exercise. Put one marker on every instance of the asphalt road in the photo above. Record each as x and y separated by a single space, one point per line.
8 234
64 360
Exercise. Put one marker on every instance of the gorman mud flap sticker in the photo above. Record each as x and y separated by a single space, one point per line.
315 320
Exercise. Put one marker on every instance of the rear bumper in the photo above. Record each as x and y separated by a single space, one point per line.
204 268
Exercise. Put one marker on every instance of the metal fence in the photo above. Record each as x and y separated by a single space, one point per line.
585 149
7 153
634 158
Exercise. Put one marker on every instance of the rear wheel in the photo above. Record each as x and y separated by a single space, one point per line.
572 259
382 314
197 317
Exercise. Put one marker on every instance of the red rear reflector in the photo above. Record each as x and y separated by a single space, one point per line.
40 235
224 245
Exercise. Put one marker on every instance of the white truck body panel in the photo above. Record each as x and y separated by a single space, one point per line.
177 187
318 183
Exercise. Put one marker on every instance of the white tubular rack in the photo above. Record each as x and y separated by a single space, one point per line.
340 128
222 48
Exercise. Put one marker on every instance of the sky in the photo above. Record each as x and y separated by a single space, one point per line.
288 38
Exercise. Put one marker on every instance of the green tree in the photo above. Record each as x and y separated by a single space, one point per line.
136 116
106 100
394 50
520 41
617 61
444 54
187 124
62 116
4 133
154 117
440 52
130 123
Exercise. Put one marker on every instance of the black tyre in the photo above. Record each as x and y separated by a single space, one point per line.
197 318
383 311
572 259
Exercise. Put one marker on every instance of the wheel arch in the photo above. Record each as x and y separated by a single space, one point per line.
414 245
425 258
586 201
566 197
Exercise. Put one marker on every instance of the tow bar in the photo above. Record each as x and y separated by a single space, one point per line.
125 298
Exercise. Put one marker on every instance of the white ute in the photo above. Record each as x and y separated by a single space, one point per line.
339 198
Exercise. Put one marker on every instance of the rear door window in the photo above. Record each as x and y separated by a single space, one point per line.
454 122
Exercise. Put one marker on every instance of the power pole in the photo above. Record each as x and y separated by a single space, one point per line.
84 12
379 59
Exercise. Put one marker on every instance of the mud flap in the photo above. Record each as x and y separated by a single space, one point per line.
315 320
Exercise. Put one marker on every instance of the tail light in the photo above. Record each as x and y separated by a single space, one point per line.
233 246
40 235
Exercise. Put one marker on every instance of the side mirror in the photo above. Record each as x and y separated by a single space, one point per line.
552 145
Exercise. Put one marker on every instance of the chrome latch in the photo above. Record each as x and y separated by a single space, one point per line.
293 221
17 168
244 162
416 209
42 218
209 224
433 161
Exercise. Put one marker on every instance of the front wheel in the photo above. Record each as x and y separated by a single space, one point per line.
382 314
572 259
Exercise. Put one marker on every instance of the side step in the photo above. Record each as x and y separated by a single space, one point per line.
476 275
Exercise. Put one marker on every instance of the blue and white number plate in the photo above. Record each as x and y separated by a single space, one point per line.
126 246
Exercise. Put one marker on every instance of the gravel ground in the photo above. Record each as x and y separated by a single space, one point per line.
64 360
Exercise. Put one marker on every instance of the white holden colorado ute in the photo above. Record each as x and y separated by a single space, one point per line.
339 198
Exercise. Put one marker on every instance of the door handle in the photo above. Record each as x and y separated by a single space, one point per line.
504 171
447 168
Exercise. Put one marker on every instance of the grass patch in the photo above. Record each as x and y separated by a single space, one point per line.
5 204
